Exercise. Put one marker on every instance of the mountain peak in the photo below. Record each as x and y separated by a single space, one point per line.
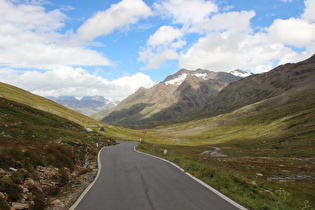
179 77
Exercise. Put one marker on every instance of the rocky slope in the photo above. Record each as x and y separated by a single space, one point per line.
40 154
177 95
280 80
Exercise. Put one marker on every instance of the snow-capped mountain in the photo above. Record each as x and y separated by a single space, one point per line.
240 73
179 77
179 94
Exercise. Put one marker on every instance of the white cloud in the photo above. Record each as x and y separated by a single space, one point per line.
309 12
134 82
75 82
118 15
161 46
186 12
157 59
231 50
296 32
164 35
226 21
29 37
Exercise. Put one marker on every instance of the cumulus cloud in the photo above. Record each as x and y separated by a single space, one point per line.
157 59
231 50
29 37
118 15
226 46
309 13
226 21
161 46
164 35
75 82
186 12
296 32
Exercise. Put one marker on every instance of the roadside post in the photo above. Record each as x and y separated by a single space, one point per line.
144 131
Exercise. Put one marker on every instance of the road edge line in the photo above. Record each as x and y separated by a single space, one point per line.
199 181
99 166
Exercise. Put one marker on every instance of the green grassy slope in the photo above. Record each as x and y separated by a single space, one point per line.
258 148
19 95
33 141
268 149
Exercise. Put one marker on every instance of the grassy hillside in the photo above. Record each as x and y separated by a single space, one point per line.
40 153
255 142
258 87
19 95
262 154
45 147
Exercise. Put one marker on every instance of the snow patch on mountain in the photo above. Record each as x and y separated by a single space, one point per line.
200 75
177 81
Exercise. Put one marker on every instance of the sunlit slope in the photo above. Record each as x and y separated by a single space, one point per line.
38 102
283 125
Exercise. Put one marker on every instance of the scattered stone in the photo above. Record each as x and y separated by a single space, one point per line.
29 181
281 165
3 173
214 153
17 205
25 190
253 183
165 152
2 195
13 169
259 174
56 201
23 170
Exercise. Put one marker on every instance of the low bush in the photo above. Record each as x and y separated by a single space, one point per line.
13 190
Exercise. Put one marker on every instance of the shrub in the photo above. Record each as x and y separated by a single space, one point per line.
3 205
13 190
193 166
35 157
64 177
39 198
209 173
17 177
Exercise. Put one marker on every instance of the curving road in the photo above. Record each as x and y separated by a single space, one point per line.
132 180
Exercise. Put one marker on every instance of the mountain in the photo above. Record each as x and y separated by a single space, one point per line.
176 96
87 105
282 80
24 97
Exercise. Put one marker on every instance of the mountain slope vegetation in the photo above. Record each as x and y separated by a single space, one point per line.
178 95
262 86
39 153
19 95
255 141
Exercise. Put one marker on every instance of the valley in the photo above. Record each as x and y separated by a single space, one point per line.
250 138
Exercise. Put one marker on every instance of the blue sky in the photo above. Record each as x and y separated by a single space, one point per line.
113 47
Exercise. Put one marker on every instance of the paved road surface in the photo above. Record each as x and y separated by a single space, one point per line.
135 181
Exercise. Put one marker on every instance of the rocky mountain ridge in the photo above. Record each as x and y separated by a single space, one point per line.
279 81
176 96
87 105
190 94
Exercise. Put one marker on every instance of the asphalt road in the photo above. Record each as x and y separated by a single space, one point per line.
135 181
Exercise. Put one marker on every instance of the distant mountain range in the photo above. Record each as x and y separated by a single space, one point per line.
87 105
201 93
178 95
